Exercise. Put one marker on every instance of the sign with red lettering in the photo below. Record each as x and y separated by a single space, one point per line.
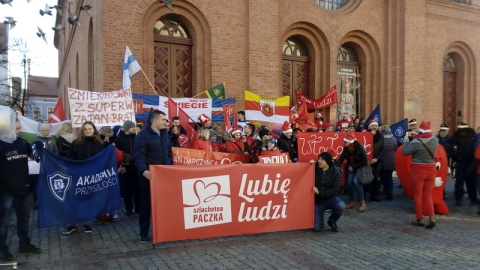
187 156
102 108
310 145
273 156
191 202
194 107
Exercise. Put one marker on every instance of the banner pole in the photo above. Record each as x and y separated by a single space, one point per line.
155 91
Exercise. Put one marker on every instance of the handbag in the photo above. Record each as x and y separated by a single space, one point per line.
365 174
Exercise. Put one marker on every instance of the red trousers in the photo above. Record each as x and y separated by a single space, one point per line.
423 177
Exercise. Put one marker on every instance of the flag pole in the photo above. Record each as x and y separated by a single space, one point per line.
199 94
153 88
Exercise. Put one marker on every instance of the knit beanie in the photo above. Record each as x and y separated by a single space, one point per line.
128 125
327 157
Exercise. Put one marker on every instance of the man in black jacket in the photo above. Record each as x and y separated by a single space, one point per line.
152 147
15 193
327 186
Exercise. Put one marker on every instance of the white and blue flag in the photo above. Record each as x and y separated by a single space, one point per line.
130 67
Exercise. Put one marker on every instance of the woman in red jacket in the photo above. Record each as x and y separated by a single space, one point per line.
203 142
236 144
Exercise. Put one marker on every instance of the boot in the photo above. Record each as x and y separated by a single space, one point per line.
350 205
363 207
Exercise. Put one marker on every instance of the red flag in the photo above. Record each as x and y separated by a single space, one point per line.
58 114
229 111
174 110
302 112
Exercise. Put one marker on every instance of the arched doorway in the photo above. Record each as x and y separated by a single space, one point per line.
449 92
348 81
172 58
295 68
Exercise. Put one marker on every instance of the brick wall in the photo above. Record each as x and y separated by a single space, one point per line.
401 45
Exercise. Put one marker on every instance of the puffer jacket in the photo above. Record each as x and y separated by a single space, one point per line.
327 182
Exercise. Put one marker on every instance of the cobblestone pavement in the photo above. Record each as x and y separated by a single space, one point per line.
380 238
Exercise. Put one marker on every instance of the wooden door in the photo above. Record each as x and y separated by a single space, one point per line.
173 69
294 76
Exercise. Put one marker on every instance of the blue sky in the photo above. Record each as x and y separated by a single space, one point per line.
44 57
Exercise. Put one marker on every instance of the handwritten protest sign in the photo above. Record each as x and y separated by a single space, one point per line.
102 108
310 145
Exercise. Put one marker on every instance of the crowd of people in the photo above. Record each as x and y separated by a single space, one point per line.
151 144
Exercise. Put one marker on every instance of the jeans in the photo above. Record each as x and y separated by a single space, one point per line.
387 178
145 207
22 203
335 204
354 187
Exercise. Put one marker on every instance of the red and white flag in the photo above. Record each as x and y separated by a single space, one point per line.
58 114
175 110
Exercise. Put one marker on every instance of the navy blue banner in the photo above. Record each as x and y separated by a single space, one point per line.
399 129
375 115
71 191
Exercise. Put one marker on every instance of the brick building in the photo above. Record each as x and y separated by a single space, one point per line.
417 58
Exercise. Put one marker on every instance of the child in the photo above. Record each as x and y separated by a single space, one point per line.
271 145
49 141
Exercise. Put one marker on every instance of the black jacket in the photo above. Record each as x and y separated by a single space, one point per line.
85 150
287 145
63 146
327 182
14 167
356 159
151 149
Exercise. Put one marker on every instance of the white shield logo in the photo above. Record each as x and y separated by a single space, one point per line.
59 184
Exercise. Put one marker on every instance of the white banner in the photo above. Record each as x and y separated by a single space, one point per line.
194 107
102 108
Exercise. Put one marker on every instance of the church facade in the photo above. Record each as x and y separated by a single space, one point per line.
416 58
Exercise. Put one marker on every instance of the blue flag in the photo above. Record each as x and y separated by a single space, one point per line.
130 67
71 191
374 115
399 129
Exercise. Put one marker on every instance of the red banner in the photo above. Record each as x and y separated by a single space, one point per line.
191 202
187 156
310 145
325 101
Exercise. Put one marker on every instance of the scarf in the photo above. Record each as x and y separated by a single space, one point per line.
68 137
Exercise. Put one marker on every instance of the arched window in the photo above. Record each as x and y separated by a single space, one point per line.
331 4
173 58
348 81
295 66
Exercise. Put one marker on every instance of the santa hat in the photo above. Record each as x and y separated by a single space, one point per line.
236 131
372 122
332 152
327 125
462 125
286 127
425 127
203 118
350 138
